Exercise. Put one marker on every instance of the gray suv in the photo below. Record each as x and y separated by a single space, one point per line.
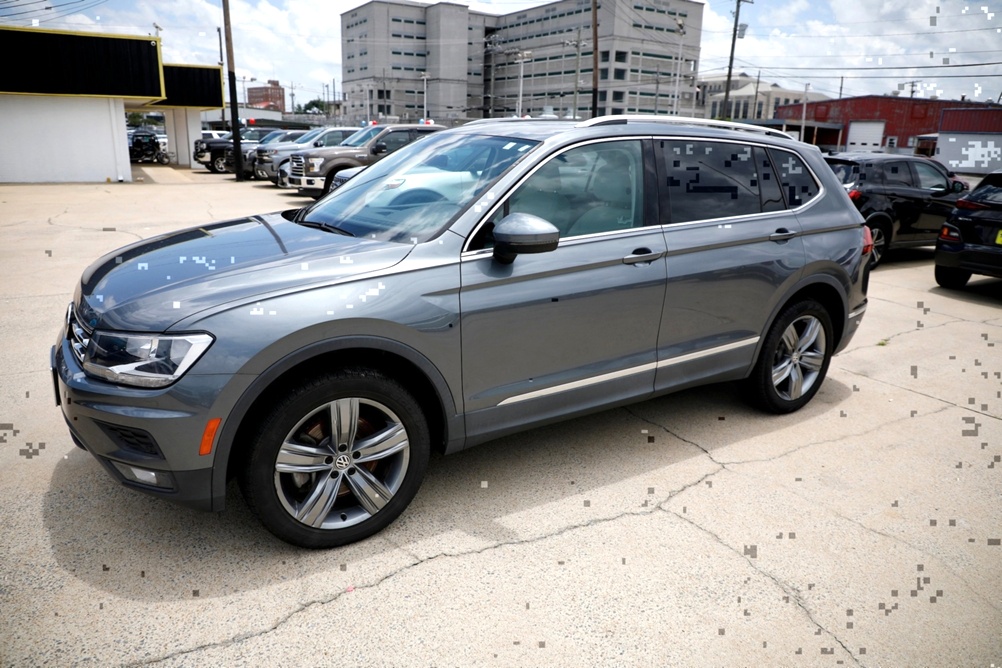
485 280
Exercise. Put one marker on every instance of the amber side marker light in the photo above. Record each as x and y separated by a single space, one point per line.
209 436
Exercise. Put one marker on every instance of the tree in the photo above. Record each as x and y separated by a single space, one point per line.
135 119
319 105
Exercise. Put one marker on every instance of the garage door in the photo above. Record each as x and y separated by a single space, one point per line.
865 135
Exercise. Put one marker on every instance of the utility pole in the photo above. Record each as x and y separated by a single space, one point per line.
912 84
841 80
238 154
758 81
657 91
730 62
594 58
803 115
222 112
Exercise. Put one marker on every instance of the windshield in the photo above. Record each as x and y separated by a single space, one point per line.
309 136
411 195
273 136
362 136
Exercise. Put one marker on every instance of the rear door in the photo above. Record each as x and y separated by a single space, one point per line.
937 198
733 248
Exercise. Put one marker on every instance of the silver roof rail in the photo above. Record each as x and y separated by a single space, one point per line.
681 120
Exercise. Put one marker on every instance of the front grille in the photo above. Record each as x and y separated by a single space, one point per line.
78 336
298 163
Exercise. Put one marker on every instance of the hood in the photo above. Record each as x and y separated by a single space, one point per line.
281 146
359 152
150 285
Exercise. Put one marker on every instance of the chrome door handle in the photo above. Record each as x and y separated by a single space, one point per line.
642 256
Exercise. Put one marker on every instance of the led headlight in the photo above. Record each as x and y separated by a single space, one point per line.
315 164
143 360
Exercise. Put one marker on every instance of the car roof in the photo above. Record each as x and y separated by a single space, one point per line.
863 156
626 125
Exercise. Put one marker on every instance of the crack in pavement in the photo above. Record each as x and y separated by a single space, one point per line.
922 394
671 433
649 510
790 591
51 223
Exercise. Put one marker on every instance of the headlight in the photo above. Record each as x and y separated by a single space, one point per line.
143 360
315 164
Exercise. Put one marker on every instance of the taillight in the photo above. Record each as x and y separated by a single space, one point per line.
867 240
950 233
855 195
968 204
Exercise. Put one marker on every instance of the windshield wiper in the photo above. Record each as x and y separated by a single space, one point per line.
324 226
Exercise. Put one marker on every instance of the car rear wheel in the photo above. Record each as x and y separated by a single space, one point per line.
337 459
881 233
951 277
794 359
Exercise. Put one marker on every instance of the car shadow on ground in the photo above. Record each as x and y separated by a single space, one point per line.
134 546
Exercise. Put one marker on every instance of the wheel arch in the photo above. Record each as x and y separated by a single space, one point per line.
396 360
827 292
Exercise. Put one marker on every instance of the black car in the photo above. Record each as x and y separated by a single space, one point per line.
970 241
903 198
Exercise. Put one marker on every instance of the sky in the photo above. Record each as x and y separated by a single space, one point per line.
856 48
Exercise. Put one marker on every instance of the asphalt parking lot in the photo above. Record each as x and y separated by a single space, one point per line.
864 530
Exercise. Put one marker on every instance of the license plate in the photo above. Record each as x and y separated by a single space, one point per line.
998 238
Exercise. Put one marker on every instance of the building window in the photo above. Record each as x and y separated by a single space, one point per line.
603 73
617 96
619 74
622 56
603 56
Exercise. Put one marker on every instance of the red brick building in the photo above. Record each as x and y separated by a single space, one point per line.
271 97
872 122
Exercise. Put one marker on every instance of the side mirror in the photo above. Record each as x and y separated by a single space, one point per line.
380 147
523 233
318 143
959 186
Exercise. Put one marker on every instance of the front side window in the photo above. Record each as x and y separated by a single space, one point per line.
929 177
585 190
896 173
395 140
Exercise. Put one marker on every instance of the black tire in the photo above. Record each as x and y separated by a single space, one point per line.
794 359
881 233
952 278
339 493
218 164
163 158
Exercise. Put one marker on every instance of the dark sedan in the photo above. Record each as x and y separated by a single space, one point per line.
970 241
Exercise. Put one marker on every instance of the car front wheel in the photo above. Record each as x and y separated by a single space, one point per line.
337 459
794 358
218 164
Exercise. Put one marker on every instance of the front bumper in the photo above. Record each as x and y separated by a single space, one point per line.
145 439
307 182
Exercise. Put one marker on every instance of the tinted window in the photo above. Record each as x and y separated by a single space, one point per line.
988 191
896 173
395 140
929 177
795 179
711 179
772 196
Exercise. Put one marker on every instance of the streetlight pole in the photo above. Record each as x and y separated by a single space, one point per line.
424 78
577 70
522 55
678 64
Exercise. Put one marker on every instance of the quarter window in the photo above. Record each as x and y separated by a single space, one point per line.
795 179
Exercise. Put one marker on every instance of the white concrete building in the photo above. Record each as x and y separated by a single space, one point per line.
405 60
750 98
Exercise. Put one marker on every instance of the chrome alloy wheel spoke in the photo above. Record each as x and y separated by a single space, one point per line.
344 421
369 491
382 444
317 506
299 458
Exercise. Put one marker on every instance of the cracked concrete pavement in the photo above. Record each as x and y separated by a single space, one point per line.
688 530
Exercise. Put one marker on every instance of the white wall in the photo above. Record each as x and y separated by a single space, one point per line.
63 139
970 153
183 127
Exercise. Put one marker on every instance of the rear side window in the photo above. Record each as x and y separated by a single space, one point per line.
795 179
706 180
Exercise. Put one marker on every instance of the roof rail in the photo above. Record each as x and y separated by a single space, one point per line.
513 119
681 120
